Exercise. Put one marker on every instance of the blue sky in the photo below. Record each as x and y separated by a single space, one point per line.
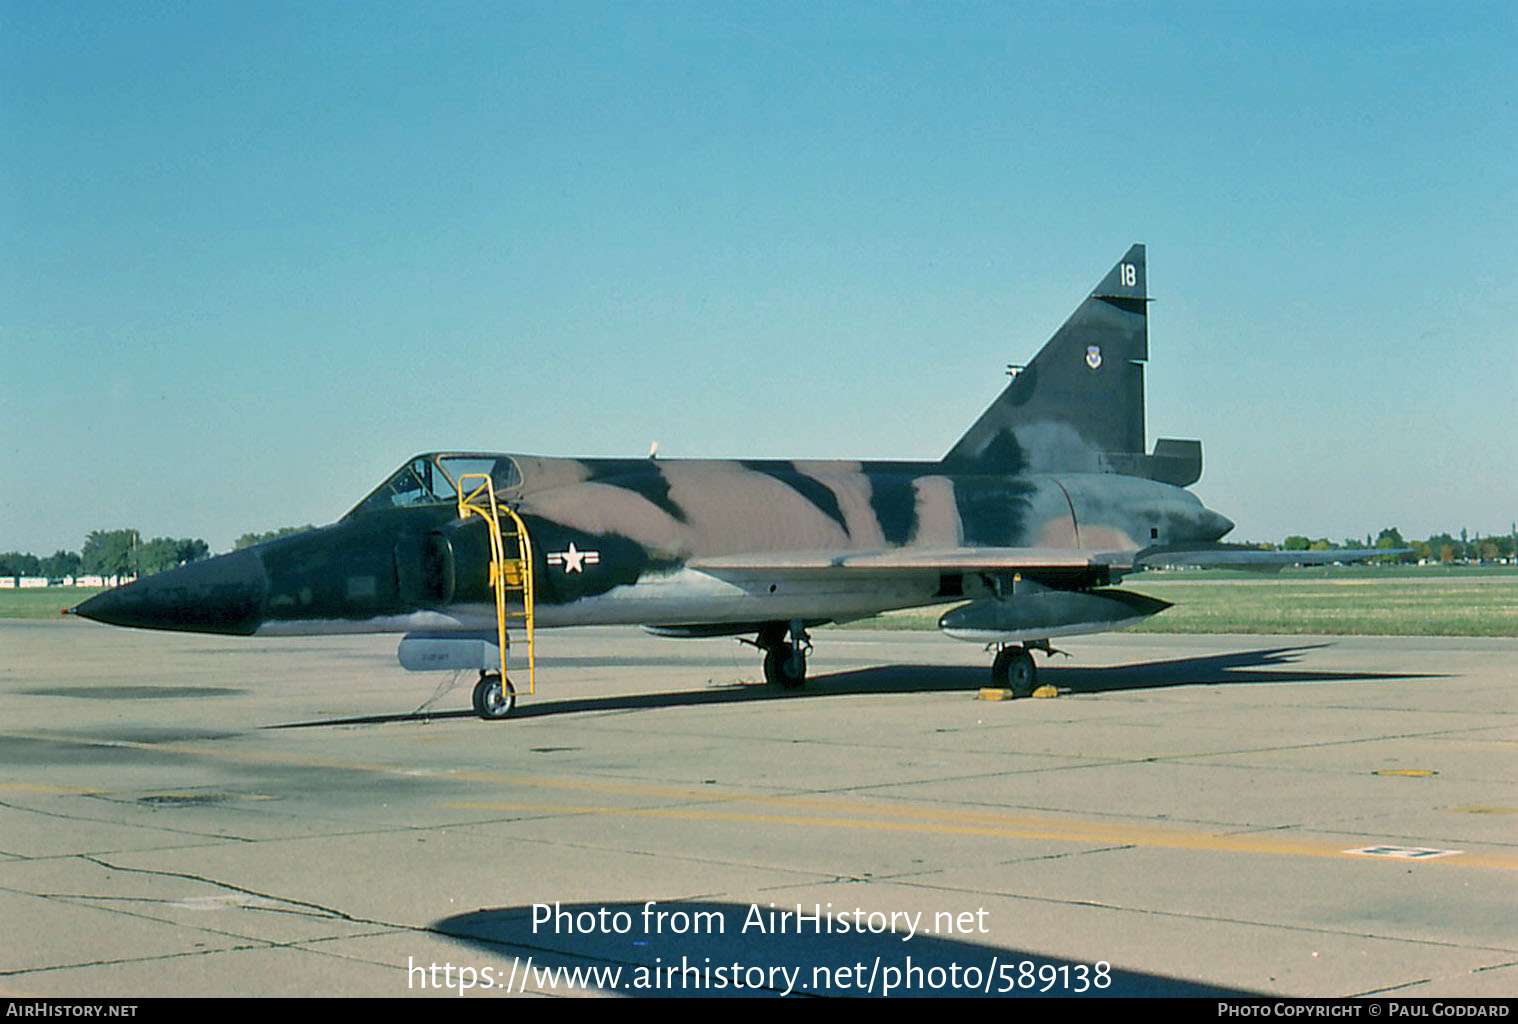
255 254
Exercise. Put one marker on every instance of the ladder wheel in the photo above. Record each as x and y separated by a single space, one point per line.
494 697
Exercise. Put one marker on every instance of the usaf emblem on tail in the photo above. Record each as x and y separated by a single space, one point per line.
1025 526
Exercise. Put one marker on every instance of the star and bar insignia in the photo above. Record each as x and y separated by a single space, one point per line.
574 560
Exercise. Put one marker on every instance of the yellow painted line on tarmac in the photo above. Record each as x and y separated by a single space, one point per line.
1011 827
865 814
382 768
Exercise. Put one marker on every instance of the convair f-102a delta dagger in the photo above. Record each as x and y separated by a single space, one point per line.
1026 525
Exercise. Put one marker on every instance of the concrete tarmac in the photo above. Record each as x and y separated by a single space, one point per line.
1305 816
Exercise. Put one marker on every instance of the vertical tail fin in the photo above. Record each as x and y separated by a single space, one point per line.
1079 405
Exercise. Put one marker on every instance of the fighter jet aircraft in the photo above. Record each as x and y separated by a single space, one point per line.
1024 525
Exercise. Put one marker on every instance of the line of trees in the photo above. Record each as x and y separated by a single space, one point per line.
108 553
247 540
1441 547
124 553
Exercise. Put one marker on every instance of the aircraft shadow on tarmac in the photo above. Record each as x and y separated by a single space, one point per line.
842 952
1264 665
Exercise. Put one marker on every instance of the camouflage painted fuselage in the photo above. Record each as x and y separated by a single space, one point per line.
668 533
662 543
675 543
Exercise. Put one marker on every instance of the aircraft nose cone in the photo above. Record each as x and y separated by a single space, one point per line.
220 595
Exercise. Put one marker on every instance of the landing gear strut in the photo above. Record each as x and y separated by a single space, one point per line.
494 696
785 659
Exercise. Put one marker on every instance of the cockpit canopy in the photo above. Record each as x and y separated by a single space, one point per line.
433 480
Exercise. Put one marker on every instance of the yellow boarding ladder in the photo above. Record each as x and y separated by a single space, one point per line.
508 576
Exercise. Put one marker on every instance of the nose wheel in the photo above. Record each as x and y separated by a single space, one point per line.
494 696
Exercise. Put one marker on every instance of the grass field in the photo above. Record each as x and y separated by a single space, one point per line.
1394 601
1395 604
1391 601
42 602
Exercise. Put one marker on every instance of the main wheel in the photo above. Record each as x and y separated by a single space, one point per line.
494 697
785 665
1014 670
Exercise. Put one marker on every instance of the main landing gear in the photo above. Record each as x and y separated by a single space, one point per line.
494 696
1014 669
784 659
